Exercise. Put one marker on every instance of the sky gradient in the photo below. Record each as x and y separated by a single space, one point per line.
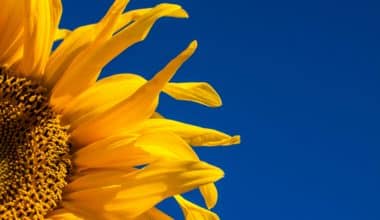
300 84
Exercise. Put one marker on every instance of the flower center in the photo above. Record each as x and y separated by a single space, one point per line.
34 150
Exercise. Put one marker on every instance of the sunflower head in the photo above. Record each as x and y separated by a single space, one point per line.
75 147
35 153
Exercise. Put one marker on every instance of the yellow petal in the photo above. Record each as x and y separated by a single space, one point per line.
111 90
118 151
11 28
139 191
78 40
157 115
61 34
62 214
123 151
166 146
106 27
194 212
83 72
105 94
68 51
41 21
96 180
154 214
210 194
86 214
198 92
194 135
81 39
130 16
138 107
101 214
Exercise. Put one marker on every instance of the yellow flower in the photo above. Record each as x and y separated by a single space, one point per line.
73 147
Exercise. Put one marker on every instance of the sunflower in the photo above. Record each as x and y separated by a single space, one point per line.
75 147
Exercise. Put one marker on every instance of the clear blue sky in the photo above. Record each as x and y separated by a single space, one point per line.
300 82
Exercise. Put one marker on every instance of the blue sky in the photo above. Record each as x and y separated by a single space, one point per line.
300 84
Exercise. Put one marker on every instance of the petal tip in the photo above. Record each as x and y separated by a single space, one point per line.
189 51
235 139
218 102
178 11
181 13
193 45
218 173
